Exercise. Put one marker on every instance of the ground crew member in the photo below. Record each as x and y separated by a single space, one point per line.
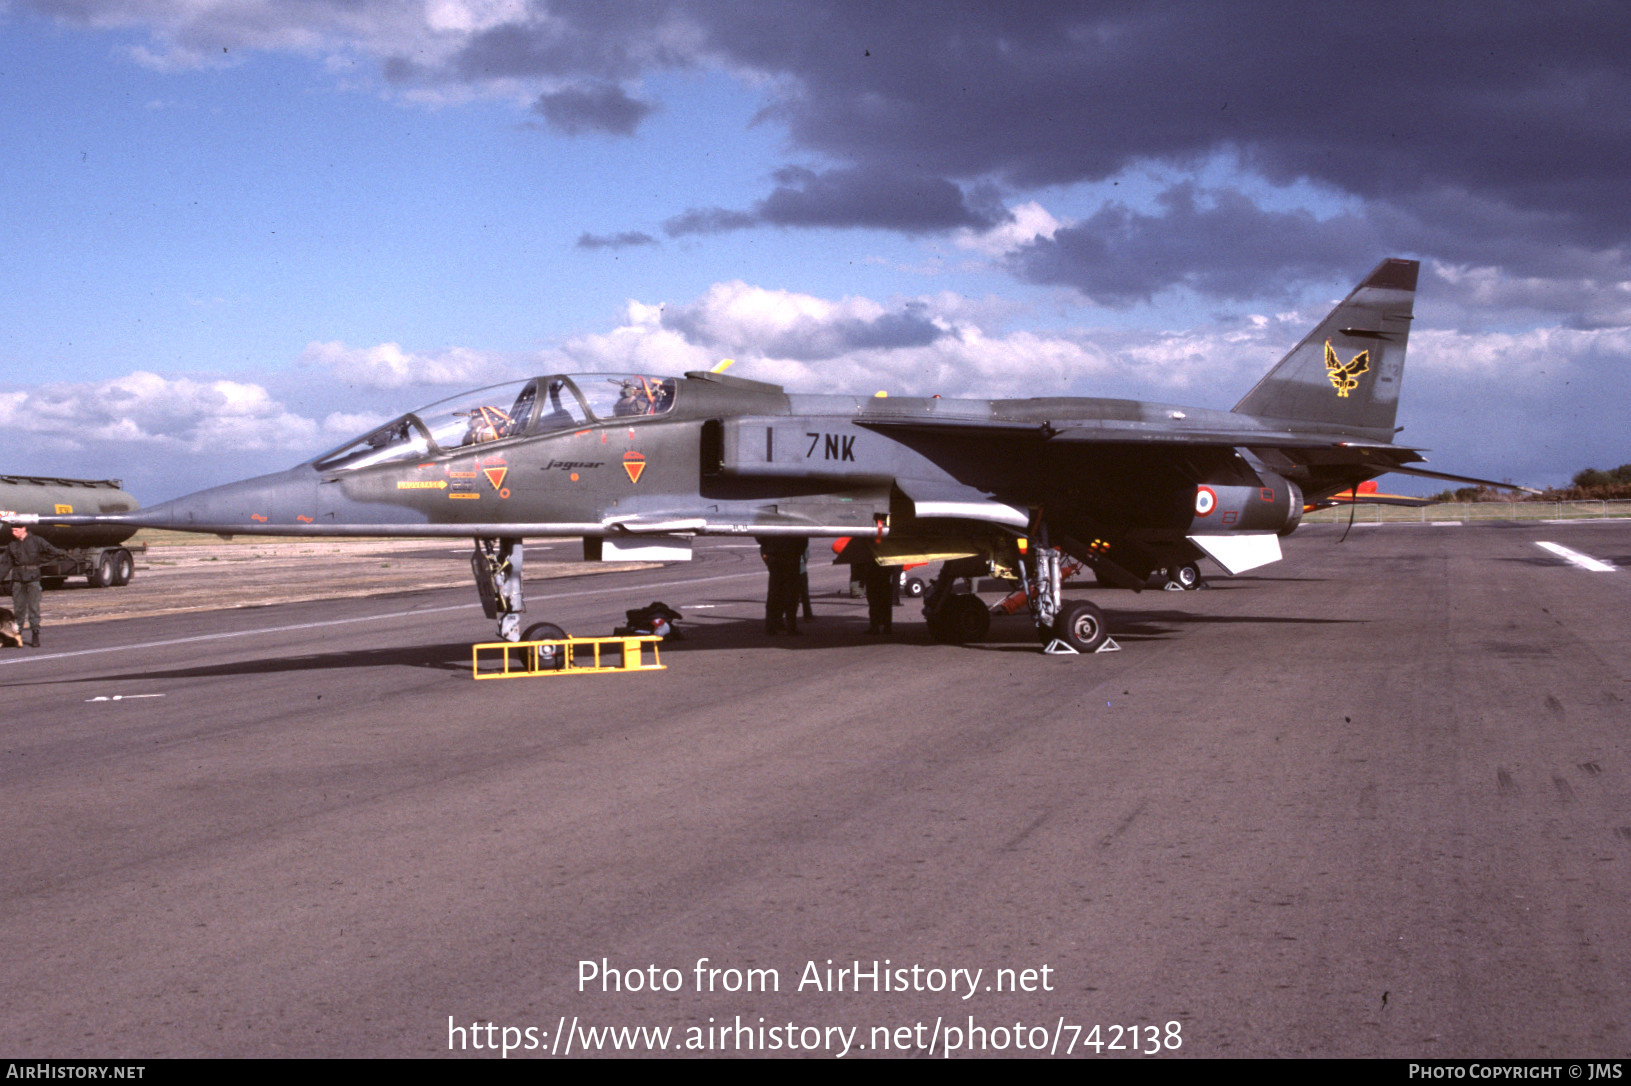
881 584
804 581
781 557
21 561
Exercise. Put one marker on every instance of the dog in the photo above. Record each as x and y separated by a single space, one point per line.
10 636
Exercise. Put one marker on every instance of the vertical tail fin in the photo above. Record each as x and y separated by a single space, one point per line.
1346 373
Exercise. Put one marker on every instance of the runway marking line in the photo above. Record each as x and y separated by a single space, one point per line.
1575 558
759 574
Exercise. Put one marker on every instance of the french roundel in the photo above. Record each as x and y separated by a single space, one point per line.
1205 501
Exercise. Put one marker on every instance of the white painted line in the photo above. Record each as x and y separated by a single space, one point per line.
608 591
1584 561
122 697
1584 520
1447 523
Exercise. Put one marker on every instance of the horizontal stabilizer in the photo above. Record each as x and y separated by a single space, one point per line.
1425 473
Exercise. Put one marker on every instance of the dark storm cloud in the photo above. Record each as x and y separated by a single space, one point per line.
603 107
1218 243
914 204
1474 132
574 39
1531 104
625 240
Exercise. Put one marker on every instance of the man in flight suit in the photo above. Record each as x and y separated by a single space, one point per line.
21 561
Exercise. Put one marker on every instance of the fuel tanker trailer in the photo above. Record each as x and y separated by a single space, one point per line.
97 551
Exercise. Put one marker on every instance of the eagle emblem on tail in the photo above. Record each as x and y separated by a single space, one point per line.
1345 375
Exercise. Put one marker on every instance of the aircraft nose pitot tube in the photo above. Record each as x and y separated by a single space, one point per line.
1276 505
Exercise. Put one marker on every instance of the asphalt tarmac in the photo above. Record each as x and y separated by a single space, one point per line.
1374 800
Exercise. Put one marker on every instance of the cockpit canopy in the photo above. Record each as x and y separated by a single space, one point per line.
501 412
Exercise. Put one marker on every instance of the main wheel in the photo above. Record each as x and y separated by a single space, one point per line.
914 587
961 619
1186 576
101 575
550 657
1081 625
124 567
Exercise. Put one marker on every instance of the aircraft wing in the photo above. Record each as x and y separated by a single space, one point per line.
1119 432
1311 447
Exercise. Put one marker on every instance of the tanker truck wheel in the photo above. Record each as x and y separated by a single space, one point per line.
101 574
124 567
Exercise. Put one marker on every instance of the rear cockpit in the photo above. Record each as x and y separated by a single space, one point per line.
503 412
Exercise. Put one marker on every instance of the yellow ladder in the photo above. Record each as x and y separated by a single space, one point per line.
565 656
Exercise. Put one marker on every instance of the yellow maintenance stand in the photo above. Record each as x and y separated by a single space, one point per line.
565 656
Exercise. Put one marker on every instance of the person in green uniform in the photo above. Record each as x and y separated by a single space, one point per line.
20 562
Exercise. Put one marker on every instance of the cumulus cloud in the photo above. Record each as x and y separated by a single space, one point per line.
1534 405
1598 295
388 366
1026 224
783 324
185 414
922 345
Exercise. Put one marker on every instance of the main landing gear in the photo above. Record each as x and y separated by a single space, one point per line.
1074 626
1184 578
1064 627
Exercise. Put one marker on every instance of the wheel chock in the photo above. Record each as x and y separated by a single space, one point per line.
1057 647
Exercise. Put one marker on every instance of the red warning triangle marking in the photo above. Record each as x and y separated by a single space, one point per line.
495 476
634 463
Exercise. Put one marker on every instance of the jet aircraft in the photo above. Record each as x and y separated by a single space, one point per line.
639 465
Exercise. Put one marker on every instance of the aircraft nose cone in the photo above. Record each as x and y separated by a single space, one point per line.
285 498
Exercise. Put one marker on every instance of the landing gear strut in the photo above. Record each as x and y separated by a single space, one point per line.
497 566
1077 626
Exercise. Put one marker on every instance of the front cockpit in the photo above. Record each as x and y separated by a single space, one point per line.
519 409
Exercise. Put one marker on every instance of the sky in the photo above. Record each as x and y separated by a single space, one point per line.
236 233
